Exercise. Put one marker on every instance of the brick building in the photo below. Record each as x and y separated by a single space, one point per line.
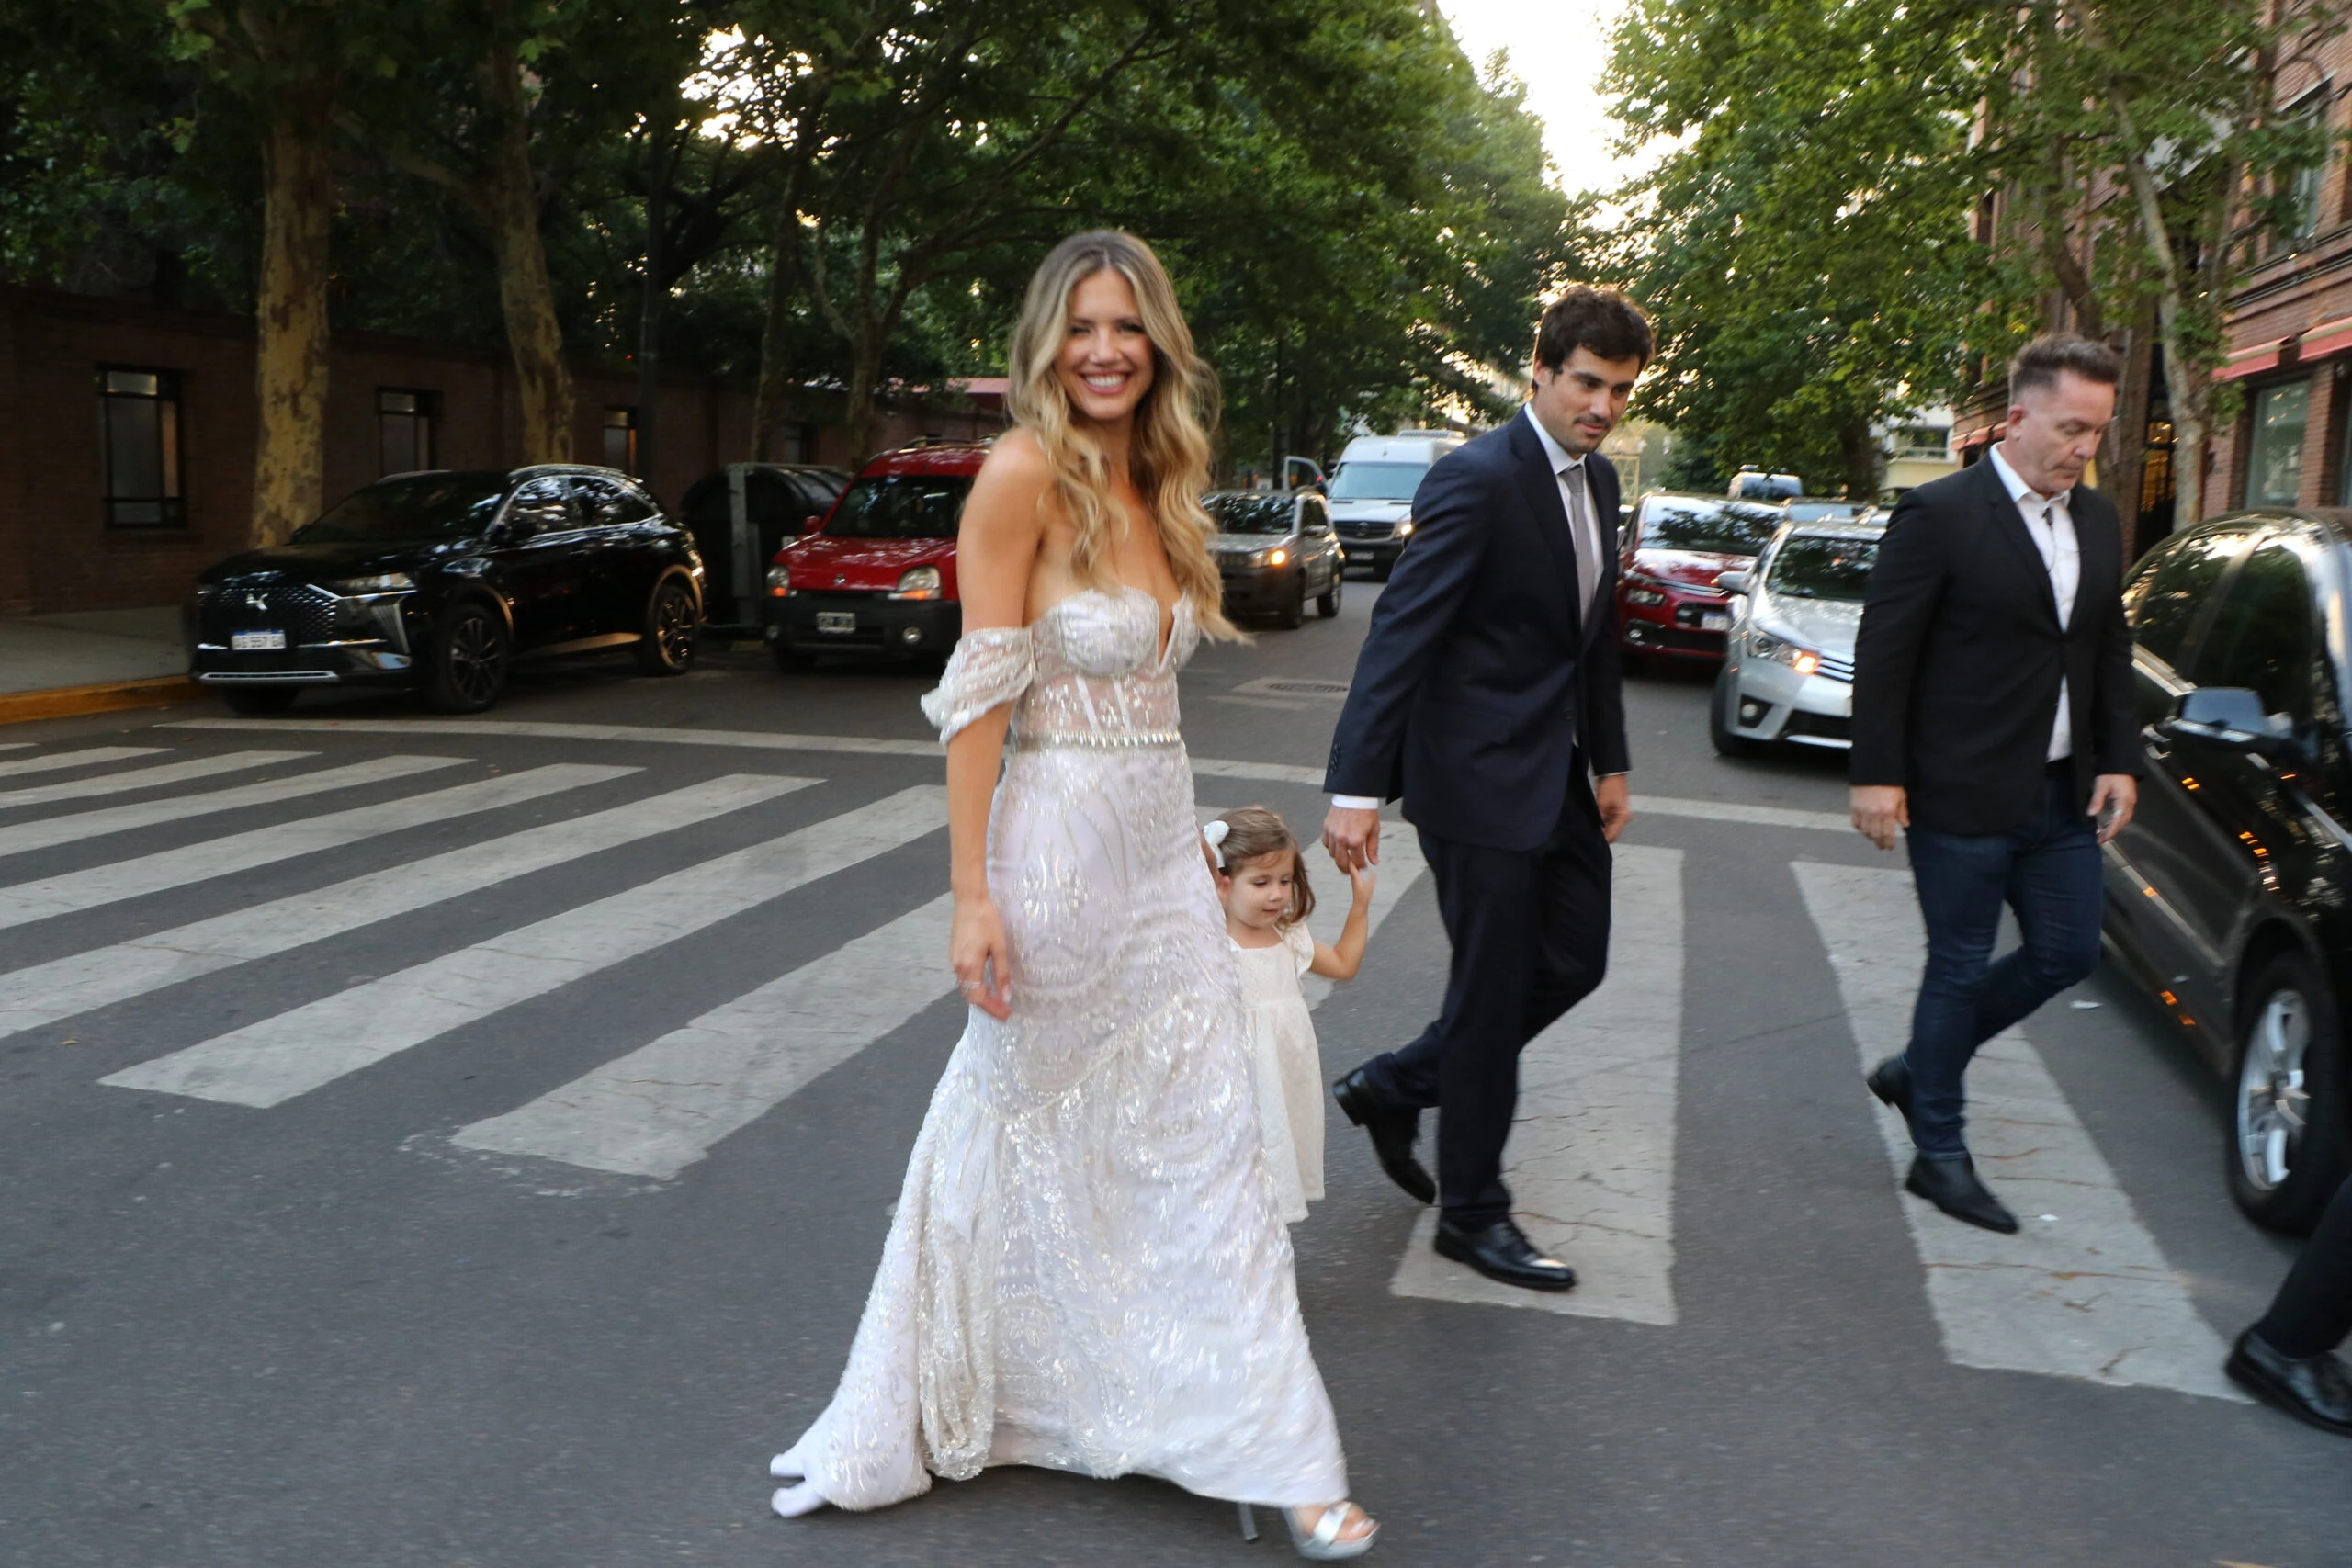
127 435
2289 344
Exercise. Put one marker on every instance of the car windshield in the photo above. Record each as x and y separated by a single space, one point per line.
1815 567
1719 527
1823 510
1272 514
422 506
1377 481
900 506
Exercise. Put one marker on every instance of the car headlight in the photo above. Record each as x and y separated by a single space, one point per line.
382 583
1639 595
1779 650
779 581
1405 528
919 583
1276 557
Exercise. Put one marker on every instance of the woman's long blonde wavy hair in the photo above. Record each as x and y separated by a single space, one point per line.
1168 454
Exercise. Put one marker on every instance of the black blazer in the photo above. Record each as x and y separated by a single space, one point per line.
1958 662
1480 680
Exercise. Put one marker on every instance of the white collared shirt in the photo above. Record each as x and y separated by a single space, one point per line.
2050 523
1566 472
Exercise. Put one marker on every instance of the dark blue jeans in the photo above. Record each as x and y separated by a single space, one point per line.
2047 870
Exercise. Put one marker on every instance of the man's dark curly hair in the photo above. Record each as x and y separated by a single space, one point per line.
1599 319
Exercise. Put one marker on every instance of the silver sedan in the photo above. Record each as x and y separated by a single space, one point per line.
1788 675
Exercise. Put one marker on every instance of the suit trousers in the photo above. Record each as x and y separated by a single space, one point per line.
1529 932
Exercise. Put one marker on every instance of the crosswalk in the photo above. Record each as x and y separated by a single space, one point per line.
2085 1294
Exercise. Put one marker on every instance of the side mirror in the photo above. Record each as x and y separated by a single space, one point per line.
1733 581
2231 717
808 523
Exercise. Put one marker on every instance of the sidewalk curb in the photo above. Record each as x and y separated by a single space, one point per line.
67 702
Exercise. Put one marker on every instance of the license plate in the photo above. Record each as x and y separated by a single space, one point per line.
256 642
1714 620
837 620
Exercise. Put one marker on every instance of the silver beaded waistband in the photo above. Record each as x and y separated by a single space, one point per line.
1098 741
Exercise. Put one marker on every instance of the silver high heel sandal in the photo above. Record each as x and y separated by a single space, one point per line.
1322 1544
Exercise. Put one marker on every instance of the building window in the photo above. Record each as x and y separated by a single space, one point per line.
2274 469
138 435
1924 443
620 439
404 422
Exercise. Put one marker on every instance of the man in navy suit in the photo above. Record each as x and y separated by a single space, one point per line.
1488 695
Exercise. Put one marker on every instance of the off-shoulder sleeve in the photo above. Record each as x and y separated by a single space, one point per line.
1301 943
992 665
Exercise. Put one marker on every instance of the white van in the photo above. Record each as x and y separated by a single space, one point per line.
1372 493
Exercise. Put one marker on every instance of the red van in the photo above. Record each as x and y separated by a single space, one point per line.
879 575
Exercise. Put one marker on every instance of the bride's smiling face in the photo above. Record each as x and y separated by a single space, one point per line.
1105 363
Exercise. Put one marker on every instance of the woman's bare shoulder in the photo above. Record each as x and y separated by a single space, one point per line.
1018 458
1014 489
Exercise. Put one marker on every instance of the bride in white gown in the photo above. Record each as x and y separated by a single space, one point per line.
1086 1269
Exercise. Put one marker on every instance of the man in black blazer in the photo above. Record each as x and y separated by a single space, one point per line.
1994 727
1488 693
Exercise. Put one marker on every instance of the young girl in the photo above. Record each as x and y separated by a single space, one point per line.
1261 880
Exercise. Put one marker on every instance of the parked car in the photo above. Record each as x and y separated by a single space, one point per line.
2229 897
1372 493
1752 483
741 515
1820 509
1275 550
878 574
1667 599
440 580
1788 675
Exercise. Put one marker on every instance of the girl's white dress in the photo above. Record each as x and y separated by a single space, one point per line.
1086 1269
1289 1066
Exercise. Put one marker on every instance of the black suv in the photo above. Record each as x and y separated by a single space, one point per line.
2230 896
440 580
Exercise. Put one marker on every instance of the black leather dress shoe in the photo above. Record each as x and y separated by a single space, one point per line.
1501 1251
2316 1389
1392 1132
1891 1081
1952 1185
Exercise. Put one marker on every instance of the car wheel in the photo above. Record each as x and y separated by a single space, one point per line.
470 650
2287 1130
259 700
668 645
1292 615
1728 743
1326 603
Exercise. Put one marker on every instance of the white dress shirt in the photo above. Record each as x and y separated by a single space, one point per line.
1576 504
2050 524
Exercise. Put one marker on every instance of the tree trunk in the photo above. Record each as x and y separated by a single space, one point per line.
291 312
860 418
1864 462
775 396
652 297
2123 455
511 207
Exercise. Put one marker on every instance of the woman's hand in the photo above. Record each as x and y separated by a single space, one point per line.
983 963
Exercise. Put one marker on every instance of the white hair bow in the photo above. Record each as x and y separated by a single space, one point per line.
1214 834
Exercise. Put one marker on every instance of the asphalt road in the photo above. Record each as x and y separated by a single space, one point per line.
401 1237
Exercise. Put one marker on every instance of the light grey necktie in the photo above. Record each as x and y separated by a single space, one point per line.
1587 537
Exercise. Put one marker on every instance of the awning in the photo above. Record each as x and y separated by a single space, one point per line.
2328 337
2252 361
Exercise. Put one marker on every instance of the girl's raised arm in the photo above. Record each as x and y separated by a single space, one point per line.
1341 960
996 552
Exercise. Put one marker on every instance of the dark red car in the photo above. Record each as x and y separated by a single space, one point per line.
879 575
1667 562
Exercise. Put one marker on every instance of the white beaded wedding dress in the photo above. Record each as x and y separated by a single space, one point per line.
1086 1269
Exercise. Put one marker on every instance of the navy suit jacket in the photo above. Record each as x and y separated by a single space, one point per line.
1480 680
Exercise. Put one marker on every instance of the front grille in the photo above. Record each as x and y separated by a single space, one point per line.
840 595
305 612
1837 669
1825 727
1362 532
1673 639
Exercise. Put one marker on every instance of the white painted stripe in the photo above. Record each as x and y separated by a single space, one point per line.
16 745
85 759
53 830
47 992
1590 1161
663 1106
273 1060
148 778
241 852
2085 1294
761 740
